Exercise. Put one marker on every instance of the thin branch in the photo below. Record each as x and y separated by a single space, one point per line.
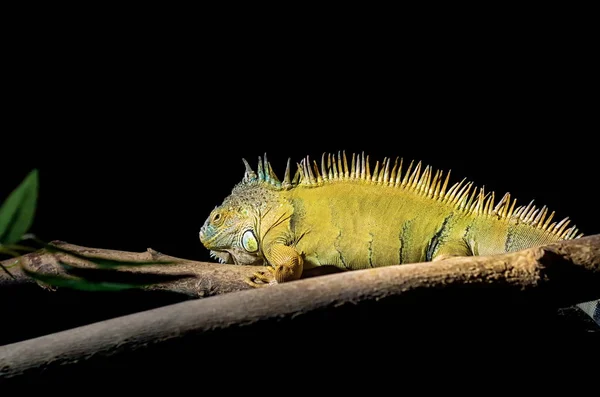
210 278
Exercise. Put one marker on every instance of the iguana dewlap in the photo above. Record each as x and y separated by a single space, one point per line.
348 216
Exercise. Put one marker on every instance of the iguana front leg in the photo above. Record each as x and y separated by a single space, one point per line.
284 264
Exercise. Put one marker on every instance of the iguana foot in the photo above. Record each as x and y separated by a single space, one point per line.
262 278
285 265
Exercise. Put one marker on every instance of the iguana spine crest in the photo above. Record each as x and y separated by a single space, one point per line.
463 195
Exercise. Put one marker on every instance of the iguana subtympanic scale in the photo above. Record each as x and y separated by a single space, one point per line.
351 218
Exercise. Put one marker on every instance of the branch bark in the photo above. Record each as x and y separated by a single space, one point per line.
209 278
33 309
477 297
33 306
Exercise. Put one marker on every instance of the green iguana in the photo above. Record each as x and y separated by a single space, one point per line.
352 218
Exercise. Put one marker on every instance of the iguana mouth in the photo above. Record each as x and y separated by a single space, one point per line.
222 256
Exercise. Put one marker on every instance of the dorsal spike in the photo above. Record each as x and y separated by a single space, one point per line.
266 169
346 171
463 195
502 205
323 167
300 172
569 234
394 171
509 214
386 172
297 176
381 171
483 204
353 167
309 172
261 174
249 174
426 178
507 209
518 211
454 189
548 220
375 172
414 177
398 180
418 183
363 169
427 188
329 167
525 211
340 166
562 225
316 169
305 175
489 204
445 185
424 181
334 165
531 214
274 180
480 200
406 174
436 184
448 196
287 183
471 203
540 218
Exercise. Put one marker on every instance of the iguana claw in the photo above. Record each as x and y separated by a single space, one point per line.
262 278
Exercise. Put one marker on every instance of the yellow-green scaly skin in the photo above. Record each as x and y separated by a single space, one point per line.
345 217
354 225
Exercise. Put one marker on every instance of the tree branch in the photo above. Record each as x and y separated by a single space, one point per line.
209 278
40 302
509 294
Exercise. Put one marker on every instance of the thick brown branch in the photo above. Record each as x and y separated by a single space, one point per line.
475 296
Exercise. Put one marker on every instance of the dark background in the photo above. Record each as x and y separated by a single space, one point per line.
139 133
138 119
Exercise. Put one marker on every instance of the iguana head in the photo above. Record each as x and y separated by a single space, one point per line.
234 229
230 232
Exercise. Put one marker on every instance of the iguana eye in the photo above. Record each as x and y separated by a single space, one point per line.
249 241
216 218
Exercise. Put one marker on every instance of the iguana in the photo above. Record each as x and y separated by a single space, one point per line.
353 218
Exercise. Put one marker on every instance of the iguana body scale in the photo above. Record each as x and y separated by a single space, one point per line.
346 216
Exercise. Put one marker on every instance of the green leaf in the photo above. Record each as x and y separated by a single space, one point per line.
6 270
18 210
